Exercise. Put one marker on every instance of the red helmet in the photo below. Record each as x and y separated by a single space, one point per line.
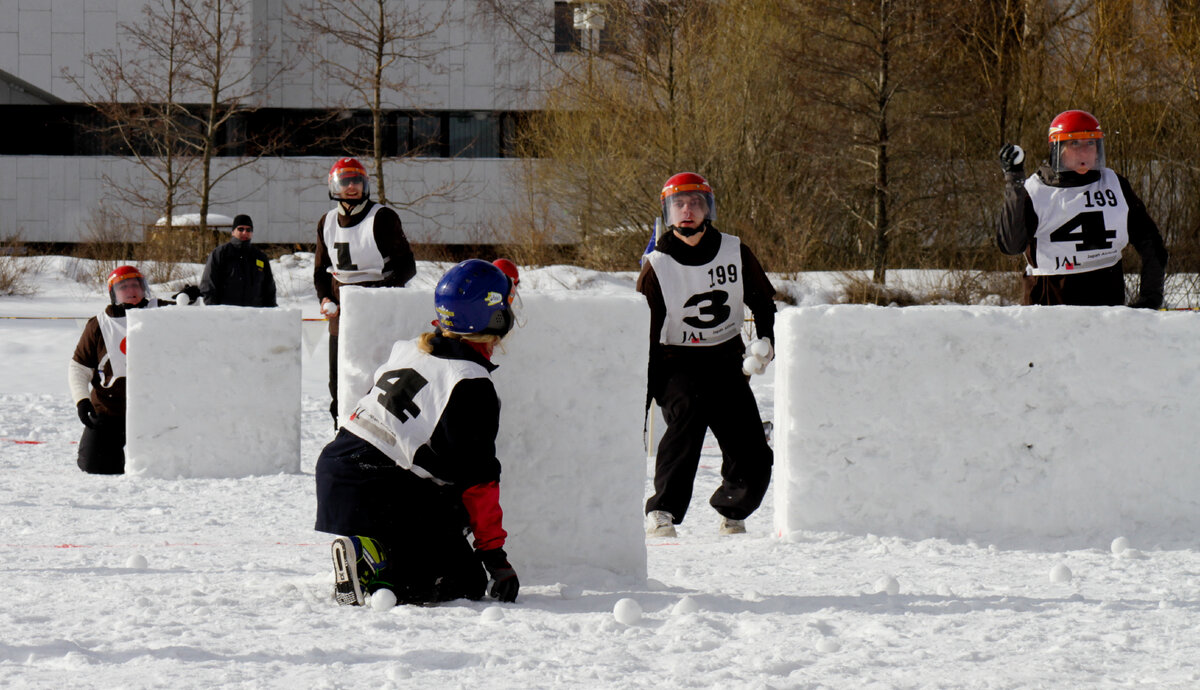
122 273
509 268
345 171
688 182
1075 128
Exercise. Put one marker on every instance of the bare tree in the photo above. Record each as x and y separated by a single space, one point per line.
374 49
665 87
870 71
137 90
232 74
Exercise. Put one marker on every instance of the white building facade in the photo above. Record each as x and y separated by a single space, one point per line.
465 100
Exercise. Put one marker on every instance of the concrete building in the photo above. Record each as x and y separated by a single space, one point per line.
463 102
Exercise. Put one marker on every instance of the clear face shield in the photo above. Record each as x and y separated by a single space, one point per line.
129 291
688 210
349 185
1078 152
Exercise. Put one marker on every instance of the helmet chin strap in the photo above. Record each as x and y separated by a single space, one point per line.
688 232
346 208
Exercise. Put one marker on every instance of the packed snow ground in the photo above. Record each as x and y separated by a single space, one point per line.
138 583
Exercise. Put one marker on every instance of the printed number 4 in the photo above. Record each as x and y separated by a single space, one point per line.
1087 231
399 388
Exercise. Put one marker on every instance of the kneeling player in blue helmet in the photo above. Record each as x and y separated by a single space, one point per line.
415 465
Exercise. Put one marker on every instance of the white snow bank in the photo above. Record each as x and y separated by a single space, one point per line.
571 382
1006 423
213 392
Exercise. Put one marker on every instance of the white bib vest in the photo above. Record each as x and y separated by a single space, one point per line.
404 406
354 256
113 330
1079 229
703 303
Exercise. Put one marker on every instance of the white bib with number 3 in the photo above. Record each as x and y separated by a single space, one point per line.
1079 229
703 303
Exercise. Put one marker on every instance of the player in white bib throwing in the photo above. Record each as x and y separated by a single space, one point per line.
360 242
1073 217
696 280
415 468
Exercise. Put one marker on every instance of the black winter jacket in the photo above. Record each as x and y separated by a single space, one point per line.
237 273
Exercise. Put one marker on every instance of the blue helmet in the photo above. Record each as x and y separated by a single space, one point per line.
474 297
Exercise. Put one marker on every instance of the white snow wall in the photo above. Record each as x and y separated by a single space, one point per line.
572 382
213 392
1012 424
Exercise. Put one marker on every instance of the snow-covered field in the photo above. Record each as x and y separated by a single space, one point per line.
138 583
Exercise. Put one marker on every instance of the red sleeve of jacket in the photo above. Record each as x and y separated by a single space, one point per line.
483 506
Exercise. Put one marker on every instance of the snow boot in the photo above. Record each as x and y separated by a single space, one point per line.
731 526
357 563
660 523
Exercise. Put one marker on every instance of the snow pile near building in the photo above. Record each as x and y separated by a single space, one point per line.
213 392
572 382
1013 424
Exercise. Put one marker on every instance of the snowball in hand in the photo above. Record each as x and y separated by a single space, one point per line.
627 611
759 348
753 365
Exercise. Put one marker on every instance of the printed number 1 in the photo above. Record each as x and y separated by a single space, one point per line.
344 263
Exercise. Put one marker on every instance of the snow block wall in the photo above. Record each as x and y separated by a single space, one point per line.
572 382
1006 423
213 392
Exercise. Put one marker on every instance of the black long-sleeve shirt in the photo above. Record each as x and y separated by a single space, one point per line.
1019 221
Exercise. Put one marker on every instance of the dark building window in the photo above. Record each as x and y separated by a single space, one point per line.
475 135
78 130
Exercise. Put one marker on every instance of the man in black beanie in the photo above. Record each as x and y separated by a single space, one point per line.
237 273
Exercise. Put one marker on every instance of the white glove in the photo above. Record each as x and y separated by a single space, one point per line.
330 308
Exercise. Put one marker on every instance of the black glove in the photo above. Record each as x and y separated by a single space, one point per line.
87 414
1012 160
192 292
503 578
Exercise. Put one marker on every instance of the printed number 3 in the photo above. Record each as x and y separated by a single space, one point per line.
713 309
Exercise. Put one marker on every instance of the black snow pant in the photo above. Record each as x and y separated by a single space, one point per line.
696 398
333 378
102 450
421 526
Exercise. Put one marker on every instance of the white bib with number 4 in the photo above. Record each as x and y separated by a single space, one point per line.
1079 229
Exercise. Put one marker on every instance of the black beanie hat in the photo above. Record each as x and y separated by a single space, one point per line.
242 219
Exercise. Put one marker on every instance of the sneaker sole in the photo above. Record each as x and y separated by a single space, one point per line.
740 529
346 590
668 531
